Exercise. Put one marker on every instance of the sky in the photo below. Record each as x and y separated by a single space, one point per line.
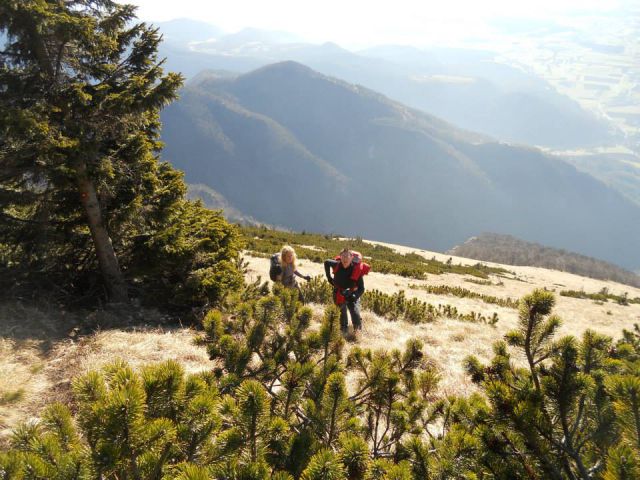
358 23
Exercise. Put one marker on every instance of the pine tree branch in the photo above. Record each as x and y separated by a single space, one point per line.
520 456
156 474
578 420
375 432
59 60
568 447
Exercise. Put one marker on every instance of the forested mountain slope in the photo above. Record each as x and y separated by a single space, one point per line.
292 147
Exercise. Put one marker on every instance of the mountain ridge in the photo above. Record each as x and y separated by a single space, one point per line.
508 250
490 103
410 178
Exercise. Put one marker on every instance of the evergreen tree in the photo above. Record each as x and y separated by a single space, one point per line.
555 418
79 118
81 190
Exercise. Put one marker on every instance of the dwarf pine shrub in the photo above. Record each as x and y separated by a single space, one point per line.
466 293
283 401
602 296
557 417
317 290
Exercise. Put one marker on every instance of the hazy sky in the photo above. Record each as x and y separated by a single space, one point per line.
358 23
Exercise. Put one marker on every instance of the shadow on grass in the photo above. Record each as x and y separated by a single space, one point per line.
46 324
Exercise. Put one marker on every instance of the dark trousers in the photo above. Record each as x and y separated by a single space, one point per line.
354 309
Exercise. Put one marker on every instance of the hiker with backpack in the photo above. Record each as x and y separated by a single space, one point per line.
283 269
348 285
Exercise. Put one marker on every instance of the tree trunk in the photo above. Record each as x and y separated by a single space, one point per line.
107 260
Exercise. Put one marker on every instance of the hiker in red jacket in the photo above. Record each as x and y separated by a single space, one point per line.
348 285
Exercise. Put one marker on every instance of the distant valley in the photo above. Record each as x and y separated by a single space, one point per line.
472 89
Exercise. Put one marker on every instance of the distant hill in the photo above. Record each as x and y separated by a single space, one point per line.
292 147
619 170
491 247
472 90
469 88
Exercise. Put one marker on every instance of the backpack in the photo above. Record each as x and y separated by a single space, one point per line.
275 269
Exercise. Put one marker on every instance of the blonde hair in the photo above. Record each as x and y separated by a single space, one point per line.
290 250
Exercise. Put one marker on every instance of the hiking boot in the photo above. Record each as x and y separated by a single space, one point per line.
352 336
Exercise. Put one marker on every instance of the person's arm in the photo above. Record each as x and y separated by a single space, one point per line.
360 289
298 274
328 266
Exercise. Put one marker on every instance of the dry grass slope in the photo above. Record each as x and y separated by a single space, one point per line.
40 352
449 341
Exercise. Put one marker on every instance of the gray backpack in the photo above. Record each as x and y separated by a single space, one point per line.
275 269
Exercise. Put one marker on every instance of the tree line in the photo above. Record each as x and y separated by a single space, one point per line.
491 247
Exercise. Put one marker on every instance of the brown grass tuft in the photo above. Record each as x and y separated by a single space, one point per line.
41 352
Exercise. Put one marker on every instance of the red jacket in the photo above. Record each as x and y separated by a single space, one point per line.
359 270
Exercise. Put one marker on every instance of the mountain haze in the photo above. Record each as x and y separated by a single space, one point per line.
292 147
183 31
475 90
620 170
470 88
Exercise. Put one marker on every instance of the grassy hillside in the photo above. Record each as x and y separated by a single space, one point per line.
450 340
41 350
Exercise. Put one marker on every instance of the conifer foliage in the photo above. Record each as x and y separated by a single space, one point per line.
86 206
562 416
283 401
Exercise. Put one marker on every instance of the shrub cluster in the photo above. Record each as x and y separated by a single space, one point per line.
602 296
398 307
277 405
317 290
465 293
394 307
480 281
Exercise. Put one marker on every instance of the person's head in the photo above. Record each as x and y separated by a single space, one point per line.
288 256
346 257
